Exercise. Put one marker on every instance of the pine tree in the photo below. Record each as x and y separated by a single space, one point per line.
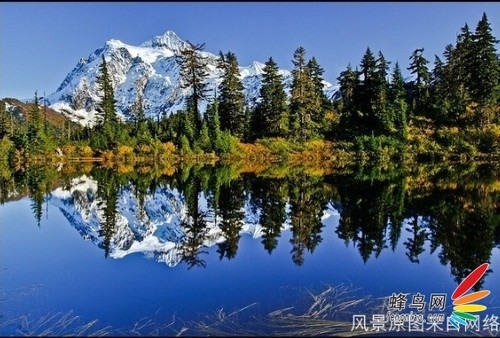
397 97
213 124
193 75
303 102
106 110
107 120
369 98
35 118
369 89
485 70
36 134
184 146
450 92
247 123
141 130
270 118
383 114
316 73
349 87
185 127
369 74
418 66
232 99
397 89
463 62
204 141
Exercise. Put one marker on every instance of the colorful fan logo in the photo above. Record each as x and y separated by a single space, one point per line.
462 303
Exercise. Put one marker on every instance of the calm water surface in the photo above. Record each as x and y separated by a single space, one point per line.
122 247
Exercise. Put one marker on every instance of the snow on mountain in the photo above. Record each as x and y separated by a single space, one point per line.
155 230
151 69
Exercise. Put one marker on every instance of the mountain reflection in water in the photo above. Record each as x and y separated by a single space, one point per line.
176 215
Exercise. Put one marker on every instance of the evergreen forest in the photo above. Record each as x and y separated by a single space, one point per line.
449 110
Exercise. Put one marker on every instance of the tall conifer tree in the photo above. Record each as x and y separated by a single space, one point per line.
106 110
193 75
350 117
304 101
485 88
418 66
271 115
232 99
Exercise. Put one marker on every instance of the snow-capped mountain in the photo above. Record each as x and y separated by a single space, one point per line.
151 69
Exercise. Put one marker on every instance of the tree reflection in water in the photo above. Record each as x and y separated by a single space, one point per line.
452 210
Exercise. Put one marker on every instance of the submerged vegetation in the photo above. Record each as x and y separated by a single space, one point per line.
451 112
324 312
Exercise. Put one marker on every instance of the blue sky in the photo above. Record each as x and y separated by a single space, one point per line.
41 42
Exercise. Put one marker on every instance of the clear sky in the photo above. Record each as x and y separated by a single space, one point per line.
41 42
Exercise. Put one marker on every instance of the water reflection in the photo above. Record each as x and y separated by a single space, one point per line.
175 215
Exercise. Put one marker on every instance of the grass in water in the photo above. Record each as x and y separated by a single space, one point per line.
328 312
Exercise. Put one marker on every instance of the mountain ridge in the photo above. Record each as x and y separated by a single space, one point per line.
152 70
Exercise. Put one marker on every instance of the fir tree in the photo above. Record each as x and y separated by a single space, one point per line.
450 93
370 96
316 73
193 75
107 120
232 99
485 69
213 124
304 101
463 61
185 127
368 89
418 66
349 87
397 97
204 141
271 115
106 110
397 89
141 130
383 114
35 134
369 70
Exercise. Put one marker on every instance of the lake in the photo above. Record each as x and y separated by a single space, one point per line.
214 249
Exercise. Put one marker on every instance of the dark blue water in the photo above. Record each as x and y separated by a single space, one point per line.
50 268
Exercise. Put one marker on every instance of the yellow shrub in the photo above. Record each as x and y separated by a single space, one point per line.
124 150
169 170
68 149
123 169
86 151
107 155
143 149
144 169
168 148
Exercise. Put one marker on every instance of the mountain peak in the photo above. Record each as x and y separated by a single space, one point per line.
155 66
168 40
114 43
